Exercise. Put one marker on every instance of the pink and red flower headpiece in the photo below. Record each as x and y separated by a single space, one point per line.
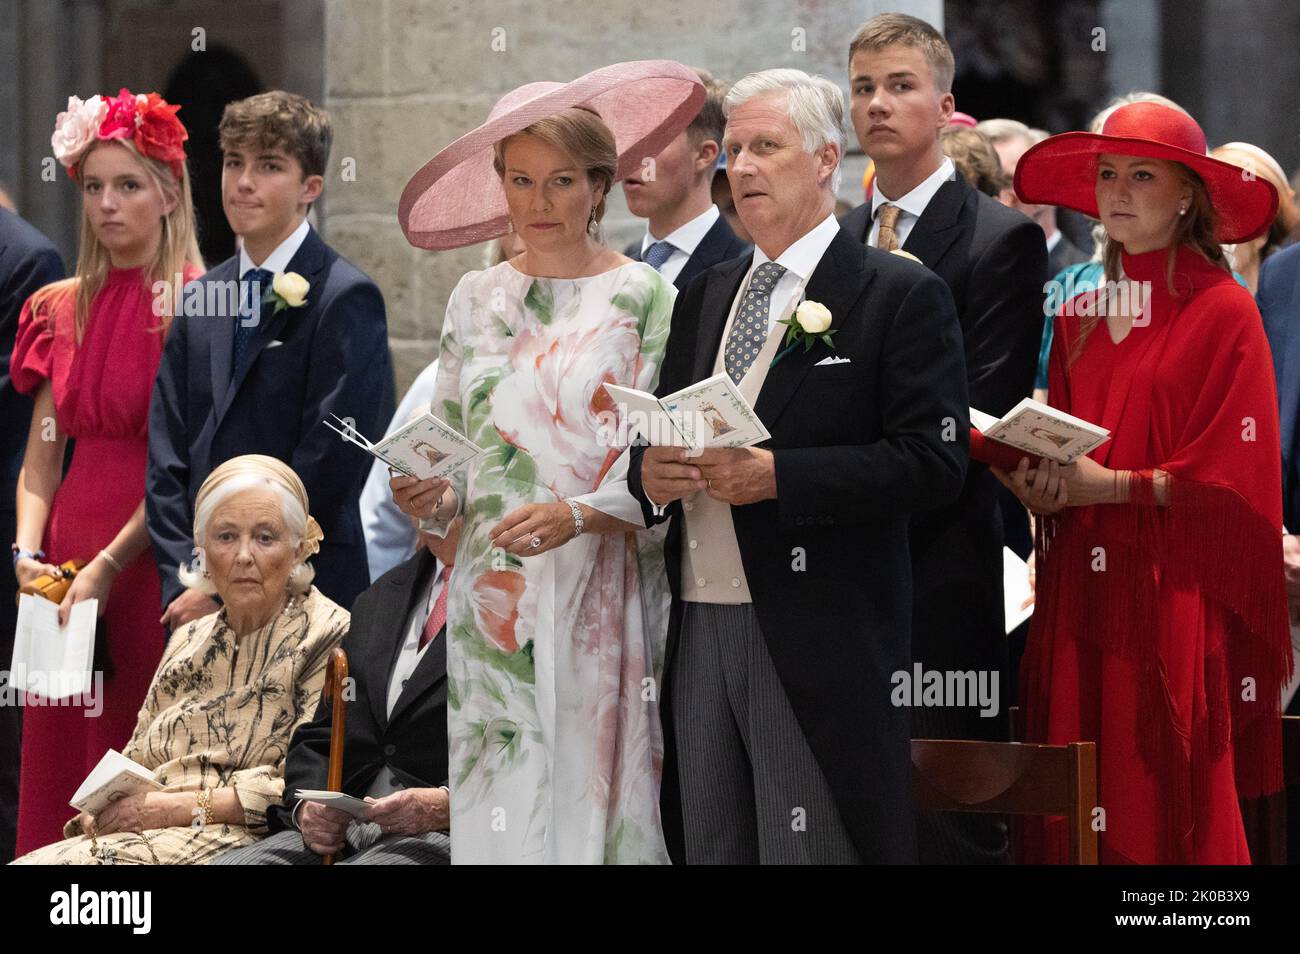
147 120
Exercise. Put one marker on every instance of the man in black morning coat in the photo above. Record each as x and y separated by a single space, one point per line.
788 562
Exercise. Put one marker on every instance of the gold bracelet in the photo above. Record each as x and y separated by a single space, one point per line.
203 800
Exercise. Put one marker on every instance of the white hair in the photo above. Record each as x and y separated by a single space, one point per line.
814 104
195 576
1002 130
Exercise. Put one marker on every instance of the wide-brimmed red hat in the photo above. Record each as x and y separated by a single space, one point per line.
456 198
1062 170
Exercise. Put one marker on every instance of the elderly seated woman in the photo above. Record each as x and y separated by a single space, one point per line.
232 686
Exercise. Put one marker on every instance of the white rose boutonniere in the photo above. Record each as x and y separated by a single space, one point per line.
806 326
288 290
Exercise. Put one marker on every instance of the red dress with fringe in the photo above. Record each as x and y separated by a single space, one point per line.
1160 632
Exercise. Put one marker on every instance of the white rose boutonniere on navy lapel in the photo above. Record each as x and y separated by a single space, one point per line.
808 325
288 290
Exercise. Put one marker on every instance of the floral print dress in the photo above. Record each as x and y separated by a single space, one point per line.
553 660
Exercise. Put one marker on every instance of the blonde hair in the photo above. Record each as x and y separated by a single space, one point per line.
975 158
584 137
890 29
177 247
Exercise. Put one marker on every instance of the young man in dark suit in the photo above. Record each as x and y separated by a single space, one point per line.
395 742
28 261
685 232
788 561
994 261
266 346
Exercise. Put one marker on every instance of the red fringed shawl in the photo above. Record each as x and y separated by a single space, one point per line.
1161 632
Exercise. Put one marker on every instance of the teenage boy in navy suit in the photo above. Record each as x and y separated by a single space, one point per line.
266 346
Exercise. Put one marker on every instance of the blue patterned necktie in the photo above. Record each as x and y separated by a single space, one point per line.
657 254
253 286
749 330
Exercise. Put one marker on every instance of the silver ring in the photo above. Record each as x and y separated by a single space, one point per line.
535 542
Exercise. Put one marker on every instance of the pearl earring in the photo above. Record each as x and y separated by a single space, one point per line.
1182 210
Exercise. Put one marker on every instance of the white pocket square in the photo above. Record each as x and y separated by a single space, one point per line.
276 343
832 360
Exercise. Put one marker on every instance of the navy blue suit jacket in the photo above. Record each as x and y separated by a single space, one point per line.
328 357
28 262
718 245
1279 304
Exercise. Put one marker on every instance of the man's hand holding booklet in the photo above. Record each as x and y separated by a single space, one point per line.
711 413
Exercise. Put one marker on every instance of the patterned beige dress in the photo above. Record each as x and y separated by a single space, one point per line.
219 713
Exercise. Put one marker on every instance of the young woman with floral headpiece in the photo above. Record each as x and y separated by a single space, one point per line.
87 350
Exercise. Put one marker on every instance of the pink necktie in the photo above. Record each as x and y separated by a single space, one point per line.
438 618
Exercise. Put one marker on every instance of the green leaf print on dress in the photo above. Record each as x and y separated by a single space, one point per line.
554 754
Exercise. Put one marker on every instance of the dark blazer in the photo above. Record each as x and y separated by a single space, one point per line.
718 245
1278 298
1063 255
28 262
411 745
994 261
857 446
331 358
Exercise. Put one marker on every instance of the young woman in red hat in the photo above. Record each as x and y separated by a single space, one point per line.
1160 630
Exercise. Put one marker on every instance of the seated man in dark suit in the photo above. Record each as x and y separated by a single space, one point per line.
266 346
395 744
685 232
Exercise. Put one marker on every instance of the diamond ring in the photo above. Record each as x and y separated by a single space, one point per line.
535 542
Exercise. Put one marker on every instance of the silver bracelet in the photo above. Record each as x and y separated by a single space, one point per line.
110 560
578 522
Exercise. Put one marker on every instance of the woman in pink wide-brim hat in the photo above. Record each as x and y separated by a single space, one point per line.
557 612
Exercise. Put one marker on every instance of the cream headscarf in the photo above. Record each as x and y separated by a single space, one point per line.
259 465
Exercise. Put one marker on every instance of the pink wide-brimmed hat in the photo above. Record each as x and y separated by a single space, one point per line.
456 198
1062 170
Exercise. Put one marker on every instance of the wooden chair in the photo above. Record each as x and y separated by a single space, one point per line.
336 677
1011 778
1265 819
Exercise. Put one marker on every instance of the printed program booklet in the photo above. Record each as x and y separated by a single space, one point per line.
710 413
114 777
423 448
1034 430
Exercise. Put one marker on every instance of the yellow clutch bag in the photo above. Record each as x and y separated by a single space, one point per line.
51 587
